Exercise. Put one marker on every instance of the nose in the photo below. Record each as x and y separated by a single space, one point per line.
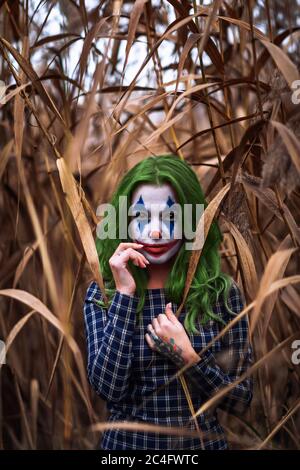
155 234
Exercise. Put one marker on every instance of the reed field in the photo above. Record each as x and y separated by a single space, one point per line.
87 90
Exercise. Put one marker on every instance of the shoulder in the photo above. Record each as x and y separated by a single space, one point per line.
93 292
235 297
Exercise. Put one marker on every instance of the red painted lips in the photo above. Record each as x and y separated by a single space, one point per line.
158 248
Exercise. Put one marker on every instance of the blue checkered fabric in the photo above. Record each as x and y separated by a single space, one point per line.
131 377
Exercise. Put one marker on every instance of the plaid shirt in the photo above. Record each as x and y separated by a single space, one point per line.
124 371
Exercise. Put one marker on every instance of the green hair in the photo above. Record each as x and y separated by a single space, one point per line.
208 282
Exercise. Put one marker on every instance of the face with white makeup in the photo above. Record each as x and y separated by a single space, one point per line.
156 221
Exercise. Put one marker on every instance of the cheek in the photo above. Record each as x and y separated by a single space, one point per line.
174 249
137 228
178 230
172 230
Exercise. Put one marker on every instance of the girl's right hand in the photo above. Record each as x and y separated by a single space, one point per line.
124 280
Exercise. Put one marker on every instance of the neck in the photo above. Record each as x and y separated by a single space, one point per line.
158 274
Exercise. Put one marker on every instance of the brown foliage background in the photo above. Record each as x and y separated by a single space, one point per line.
213 82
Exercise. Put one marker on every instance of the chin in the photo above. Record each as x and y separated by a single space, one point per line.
157 260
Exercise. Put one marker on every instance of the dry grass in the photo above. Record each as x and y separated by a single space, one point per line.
210 83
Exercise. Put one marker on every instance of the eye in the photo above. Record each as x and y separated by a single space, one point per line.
141 215
170 216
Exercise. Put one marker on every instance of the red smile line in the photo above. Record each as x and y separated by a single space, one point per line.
159 248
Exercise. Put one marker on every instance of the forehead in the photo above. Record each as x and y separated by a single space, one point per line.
153 194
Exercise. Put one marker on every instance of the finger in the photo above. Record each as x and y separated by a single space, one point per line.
138 262
162 319
143 257
169 313
141 263
124 245
136 257
130 253
134 250
155 325
150 329
150 341
153 336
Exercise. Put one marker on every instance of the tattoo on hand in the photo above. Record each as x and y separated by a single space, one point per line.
168 348
174 353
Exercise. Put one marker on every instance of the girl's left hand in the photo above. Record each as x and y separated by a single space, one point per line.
167 336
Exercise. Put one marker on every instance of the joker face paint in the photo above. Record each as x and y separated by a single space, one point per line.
156 221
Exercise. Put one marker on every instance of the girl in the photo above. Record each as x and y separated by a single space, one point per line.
136 343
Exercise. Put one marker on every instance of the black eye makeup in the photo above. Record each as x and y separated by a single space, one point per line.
144 215
168 215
